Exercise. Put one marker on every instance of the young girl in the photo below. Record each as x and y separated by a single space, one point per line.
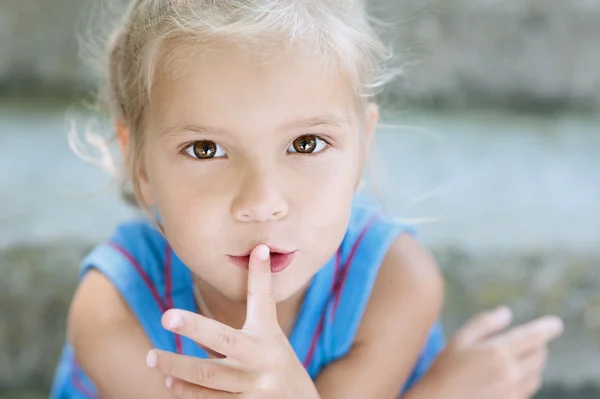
244 127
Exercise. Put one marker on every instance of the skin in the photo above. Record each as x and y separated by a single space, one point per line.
261 192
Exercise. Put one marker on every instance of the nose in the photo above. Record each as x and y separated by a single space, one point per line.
260 198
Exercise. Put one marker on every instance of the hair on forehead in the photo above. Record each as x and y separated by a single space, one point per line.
150 34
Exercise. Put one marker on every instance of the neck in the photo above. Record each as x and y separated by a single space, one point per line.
233 313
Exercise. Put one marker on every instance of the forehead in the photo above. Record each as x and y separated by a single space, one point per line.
224 82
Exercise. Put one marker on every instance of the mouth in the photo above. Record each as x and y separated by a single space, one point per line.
279 260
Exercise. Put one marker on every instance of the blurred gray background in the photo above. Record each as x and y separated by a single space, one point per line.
490 142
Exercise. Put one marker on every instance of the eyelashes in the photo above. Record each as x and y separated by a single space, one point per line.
207 149
307 144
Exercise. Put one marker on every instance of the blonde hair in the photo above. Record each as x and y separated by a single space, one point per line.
335 31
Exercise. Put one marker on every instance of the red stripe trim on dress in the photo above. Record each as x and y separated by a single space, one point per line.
169 291
344 276
168 304
337 287
78 382
317 334
142 274
313 344
336 276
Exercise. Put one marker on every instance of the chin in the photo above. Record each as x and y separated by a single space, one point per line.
285 287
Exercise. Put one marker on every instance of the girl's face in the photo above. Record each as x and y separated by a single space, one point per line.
242 149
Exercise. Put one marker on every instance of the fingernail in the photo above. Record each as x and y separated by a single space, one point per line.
262 252
503 314
151 359
169 382
174 320
555 325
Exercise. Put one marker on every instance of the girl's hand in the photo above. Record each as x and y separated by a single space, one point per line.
258 362
481 363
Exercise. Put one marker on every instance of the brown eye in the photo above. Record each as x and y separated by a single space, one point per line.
205 149
305 144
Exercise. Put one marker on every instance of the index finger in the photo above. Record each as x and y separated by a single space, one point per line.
533 335
261 309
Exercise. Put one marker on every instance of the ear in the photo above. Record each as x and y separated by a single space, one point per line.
122 135
370 124
372 118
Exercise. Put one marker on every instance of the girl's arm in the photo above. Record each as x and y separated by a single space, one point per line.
109 343
484 359
405 303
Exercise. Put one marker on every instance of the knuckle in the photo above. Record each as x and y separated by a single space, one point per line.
227 338
487 319
202 373
167 366
195 393
275 358
499 353
510 377
178 389
535 338
191 326
507 370
461 339
269 293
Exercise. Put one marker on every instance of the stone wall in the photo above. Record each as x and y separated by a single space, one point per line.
534 54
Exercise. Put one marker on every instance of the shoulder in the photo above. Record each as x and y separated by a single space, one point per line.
409 277
376 267
402 310
138 239
406 301
370 234
133 278
410 265
102 276
110 312
403 261
93 337
133 258
111 345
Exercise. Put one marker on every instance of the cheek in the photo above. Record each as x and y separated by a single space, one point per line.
189 210
334 179
324 205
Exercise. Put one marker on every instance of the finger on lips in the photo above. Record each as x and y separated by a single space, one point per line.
261 311
220 378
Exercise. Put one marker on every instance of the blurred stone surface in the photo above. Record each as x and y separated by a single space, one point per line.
38 281
535 54
35 291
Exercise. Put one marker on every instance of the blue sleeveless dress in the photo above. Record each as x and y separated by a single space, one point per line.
150 277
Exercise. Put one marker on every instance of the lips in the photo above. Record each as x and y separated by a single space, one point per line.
279 261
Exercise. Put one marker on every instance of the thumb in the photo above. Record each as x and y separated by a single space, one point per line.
484 326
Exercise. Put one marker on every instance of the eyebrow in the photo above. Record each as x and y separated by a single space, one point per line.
330 120
319 120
